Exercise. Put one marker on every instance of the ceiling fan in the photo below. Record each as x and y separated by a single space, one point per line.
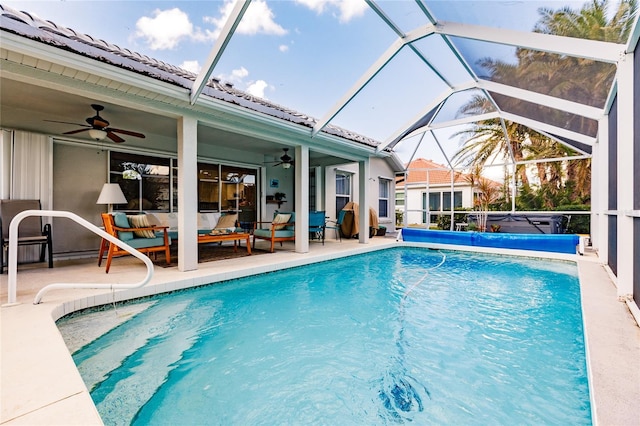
98 127
285 160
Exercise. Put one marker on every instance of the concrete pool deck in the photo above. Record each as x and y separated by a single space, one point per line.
39 383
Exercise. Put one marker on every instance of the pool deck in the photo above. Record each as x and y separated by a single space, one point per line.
39 384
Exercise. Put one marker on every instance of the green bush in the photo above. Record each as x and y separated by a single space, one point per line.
444 220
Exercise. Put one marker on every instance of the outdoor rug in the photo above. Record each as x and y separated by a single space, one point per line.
208 253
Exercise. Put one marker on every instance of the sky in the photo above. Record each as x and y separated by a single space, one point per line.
306 54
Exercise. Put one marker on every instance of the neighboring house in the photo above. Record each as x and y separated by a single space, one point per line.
220 153
425 191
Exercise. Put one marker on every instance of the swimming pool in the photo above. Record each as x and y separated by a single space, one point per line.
381 338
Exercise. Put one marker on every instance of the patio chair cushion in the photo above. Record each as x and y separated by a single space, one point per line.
121 221
146 242
227 222
207 221
141 221
279 233
280 220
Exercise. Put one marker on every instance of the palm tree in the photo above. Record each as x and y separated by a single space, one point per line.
489 193
488 139
576 79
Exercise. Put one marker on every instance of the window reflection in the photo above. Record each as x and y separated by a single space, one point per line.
151 184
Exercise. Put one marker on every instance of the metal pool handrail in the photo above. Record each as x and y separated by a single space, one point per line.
13 258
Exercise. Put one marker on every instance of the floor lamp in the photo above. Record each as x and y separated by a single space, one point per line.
111 194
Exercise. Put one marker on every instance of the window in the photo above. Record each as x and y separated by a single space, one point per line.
446 200
145 181
343 190
312 190
383 197
434 201
151 183
399 198
208 187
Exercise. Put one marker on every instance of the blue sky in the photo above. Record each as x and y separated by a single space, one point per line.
302 54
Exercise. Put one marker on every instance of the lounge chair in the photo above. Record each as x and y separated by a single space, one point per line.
317 224
337 224
30 231
135 232
279 230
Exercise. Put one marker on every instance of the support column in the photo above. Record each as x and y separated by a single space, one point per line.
625 175
187 193
302 198
364 200
600 192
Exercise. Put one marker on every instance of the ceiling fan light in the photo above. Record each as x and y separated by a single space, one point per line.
286 165
97 134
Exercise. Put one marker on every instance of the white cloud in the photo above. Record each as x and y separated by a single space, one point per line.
350 9
239 78
192 66
283 48
315 5
257 19
347 9
165 29
257 88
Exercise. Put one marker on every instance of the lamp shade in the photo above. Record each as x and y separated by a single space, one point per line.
97 134
286 165
111 194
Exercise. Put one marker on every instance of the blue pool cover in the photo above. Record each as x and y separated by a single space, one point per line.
557 243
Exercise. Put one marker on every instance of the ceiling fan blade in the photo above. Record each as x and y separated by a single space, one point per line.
126 132
277 164
97 122
67 122
114 137
73 132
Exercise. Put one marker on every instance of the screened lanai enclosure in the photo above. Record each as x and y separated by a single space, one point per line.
510 85
535 95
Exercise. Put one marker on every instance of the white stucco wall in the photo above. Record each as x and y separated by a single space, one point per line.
413 199
378 168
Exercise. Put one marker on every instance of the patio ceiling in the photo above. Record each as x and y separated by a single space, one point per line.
428 64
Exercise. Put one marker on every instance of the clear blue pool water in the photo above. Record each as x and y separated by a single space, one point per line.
384 338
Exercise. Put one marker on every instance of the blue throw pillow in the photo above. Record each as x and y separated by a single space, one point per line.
121 221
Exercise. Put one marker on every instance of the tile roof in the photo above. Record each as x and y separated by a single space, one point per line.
47 32
439 174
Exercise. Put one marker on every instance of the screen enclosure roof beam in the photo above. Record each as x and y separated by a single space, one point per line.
589 49
218 49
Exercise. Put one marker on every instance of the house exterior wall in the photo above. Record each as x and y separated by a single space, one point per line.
413 199
378 169
78 176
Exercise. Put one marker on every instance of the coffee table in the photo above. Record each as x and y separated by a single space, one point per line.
235 237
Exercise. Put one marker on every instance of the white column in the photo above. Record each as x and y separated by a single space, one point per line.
6 145
302 198
187 193
600 191
320 199
625 175
364 200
